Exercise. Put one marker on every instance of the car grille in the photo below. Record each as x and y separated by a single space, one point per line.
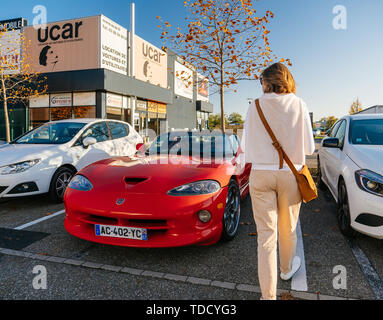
149 224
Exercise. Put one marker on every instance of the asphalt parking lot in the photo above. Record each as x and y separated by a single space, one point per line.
33 243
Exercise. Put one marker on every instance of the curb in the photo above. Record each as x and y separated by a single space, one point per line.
166 276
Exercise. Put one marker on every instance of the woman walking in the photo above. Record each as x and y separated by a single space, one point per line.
274 192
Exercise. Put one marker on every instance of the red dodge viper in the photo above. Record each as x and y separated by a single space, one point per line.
184 189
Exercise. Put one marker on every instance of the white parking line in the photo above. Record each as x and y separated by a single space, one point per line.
39 220
368 270
299 280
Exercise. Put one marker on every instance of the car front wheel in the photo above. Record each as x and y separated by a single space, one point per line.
59 183
344 219
232 212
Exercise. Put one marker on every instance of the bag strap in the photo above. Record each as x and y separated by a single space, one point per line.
276 144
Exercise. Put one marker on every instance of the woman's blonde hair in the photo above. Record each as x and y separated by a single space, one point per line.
278 78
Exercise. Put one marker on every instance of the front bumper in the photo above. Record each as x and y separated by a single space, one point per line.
37 178
366 211
170 221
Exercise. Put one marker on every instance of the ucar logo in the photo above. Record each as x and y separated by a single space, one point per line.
55 32
151 53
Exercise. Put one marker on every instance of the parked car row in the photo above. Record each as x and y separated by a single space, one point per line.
350 165
185 187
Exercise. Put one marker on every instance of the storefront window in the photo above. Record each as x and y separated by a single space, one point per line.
141 123
153 122
84 112
114 113
38 116
140 117
163 126
126 115
61 107
61 113
202 120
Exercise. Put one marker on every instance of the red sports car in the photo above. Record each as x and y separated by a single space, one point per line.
186 189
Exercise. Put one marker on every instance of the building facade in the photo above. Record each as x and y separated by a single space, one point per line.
87 67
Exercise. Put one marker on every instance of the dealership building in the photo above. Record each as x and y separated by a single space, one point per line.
94 67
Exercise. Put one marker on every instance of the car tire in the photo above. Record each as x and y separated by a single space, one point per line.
59 183
321 185
232 212
343 214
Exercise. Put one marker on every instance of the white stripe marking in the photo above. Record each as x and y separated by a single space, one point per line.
299 280
368 270
39 220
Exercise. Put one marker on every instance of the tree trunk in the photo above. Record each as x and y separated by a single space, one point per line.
221 92
222 109
6 117
7 127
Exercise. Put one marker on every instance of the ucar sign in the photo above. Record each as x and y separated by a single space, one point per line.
63 46
151 63
80 44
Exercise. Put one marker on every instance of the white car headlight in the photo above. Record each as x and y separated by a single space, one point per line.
370 181
80 183
196 188
19 167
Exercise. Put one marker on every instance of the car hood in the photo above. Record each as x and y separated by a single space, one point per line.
154 174
367 157
14 153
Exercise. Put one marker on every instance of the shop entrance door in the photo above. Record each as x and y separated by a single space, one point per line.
141 124
17 122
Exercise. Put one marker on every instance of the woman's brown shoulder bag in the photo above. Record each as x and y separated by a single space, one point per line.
306 184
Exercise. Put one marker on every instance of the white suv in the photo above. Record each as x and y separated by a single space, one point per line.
45 159
350 164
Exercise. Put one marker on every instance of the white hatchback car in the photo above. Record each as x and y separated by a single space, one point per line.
350 164
45 159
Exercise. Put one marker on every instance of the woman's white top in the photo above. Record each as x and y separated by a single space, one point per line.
290 121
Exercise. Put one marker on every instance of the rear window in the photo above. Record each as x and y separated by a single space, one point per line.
367 132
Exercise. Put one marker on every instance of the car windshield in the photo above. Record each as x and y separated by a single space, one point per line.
193 144
51 133
368 132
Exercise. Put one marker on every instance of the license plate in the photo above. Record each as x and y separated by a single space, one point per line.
121 232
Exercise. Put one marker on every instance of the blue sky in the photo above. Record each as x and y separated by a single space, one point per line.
331 67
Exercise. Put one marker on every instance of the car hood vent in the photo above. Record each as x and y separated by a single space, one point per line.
134 181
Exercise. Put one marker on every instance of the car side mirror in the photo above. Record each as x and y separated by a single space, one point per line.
331 143
88 141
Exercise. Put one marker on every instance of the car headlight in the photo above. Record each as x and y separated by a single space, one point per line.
196 188
81 183
370 181
19 167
